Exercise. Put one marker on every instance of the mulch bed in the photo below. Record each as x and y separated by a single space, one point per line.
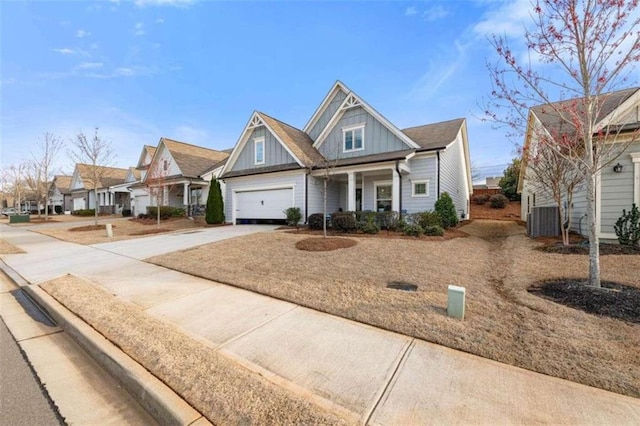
559 248
150 231
89 228
485 211
613 300
449 234
153 221
325 244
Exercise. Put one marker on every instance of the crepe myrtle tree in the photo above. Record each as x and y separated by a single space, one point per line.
43 158
574 51
156 183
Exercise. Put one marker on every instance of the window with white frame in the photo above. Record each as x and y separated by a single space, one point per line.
353 138
420 188
258 149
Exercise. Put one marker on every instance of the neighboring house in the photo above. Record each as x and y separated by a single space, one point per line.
369 162
140 198
108 200
184 171
618 184
60 199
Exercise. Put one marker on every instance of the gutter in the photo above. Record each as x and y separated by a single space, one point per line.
400 187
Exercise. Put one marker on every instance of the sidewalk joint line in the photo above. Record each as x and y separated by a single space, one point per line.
42 335
399 363
241 335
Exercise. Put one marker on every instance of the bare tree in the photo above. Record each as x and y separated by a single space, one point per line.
97 155
584 50
156 183
34 181
41 168
476 174
14 182
557 177
326 167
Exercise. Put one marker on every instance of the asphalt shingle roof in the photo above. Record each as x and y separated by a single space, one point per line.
435 136
296 140
191 159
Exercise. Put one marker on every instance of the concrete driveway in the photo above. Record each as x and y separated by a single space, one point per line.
143 248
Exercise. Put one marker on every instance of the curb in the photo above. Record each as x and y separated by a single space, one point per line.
160 401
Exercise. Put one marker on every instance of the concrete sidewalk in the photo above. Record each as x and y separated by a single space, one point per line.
378 377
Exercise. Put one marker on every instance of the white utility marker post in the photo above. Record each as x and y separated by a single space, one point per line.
456 301
109 229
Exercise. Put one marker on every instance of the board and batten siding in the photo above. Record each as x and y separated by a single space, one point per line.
616 190
453 175
377 138
324 118
315 199
264 182
274 153
422 168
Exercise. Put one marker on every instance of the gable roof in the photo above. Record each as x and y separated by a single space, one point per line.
192 160
109 175
338 85
62 182
146 150
435 136
296 140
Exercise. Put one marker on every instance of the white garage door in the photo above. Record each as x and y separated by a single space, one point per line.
269 204
141 203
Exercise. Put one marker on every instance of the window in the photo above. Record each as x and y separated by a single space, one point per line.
258 145
353 138
420 188
383 193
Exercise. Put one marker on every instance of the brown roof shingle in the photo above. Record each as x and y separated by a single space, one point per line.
296 140
109 176
191 159
435 136
62 182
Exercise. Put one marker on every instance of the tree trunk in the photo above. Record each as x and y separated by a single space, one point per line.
324 209
594 243
95 205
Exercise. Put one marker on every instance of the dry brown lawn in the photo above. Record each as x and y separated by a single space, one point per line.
222 390
7 248
484 211
496 264
123 229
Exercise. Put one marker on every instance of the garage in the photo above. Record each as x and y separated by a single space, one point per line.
264 206
141 202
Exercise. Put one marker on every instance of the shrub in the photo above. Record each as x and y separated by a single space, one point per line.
627 227
84 212
446 210
315 221
428 218
294 216
498 201
344 222
126 212
369 228
390 220
481 199
165 212
412 230
215 205
144 216
434 231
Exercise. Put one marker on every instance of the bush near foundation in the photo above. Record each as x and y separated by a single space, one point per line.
498 201
344 222
315 221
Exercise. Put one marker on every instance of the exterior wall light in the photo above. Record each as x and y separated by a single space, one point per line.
617 168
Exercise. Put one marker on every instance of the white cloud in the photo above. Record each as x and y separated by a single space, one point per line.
65 51
90 65
410 11
508 19
160 21
93 46
139 29
176 3
82 33
435 13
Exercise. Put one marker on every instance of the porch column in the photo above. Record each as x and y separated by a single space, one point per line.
395 191
185 194
351 197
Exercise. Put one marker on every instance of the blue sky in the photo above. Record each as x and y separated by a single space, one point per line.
195 71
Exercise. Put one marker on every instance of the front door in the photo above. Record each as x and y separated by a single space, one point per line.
358 199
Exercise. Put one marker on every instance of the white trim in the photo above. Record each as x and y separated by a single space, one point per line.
607 236
352 129
417 182
234 193
635 158
376 184
619 110
351 97
346 169
256 142
422 155
323 105
598 202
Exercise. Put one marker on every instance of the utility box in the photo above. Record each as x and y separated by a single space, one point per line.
19 218
456 301
543 222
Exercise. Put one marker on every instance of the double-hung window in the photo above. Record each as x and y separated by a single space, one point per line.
353 138
420 188
258 149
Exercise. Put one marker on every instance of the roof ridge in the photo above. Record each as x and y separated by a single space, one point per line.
280 121
432 124
188 144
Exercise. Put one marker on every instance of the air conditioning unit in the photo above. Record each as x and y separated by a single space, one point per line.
543 222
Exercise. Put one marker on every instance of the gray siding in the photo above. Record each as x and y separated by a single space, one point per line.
616 190
421 169
324 118
264 181
316 196
274 153
377 138
452 175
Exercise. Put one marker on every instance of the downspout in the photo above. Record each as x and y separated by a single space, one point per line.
306 196
400 187
438 186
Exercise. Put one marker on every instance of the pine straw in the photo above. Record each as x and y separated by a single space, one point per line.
7 248
219 388
496 265
325 244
